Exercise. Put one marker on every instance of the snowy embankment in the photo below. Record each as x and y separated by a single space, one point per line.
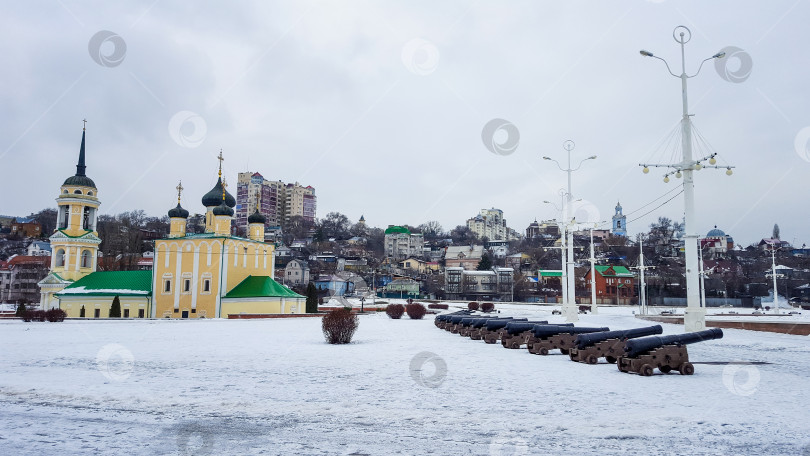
275 387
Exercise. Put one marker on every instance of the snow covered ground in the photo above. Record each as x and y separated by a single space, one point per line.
275 387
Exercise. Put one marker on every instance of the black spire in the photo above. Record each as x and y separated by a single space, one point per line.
80 167
80 178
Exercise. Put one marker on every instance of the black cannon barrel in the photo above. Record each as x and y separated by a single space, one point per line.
520 326
586 340
468 321
636 347
455 319
480 322
542 331
492 325
445 317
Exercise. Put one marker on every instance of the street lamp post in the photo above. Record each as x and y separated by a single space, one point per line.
695 314
594 308
773 273
569 304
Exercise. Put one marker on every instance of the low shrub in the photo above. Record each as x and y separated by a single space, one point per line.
395 311
415 310
487 307
55 315
34 315
472 305
339 326
438 306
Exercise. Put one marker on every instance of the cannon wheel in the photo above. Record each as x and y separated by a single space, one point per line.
610 359
665 369
514 345
543 351
687 369
646 370
571 355
564 351
591 359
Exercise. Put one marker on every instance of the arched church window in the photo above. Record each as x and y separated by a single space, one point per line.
86 223
64 191
86 259
90 193
60 258
65 217
77 192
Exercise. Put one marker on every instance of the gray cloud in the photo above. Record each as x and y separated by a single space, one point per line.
317 92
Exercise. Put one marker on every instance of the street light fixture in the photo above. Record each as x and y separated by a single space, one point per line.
695 314
569 304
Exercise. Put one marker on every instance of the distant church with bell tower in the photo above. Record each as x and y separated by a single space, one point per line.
619 222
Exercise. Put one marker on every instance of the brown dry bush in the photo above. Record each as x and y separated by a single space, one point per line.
438 306
339 326
416 311
395 311
487 307
472 305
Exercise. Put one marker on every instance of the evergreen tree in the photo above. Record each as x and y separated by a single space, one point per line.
775 231
485 264
312 298
20 309
115 309
81 312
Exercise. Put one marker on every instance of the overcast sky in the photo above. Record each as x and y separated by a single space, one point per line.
381 106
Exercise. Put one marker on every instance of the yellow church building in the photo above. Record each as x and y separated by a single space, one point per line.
208 275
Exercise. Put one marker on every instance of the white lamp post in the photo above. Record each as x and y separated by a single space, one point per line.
569 308
695 314
773 272
594 308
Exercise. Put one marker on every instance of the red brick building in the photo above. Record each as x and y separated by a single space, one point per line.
614 285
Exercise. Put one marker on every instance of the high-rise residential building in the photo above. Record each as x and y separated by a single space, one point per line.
490 223
278 202
299 201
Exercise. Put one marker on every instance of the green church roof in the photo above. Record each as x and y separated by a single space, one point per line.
261 287
397 229
550 273
111 283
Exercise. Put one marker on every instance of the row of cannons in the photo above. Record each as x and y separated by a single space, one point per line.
638 350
